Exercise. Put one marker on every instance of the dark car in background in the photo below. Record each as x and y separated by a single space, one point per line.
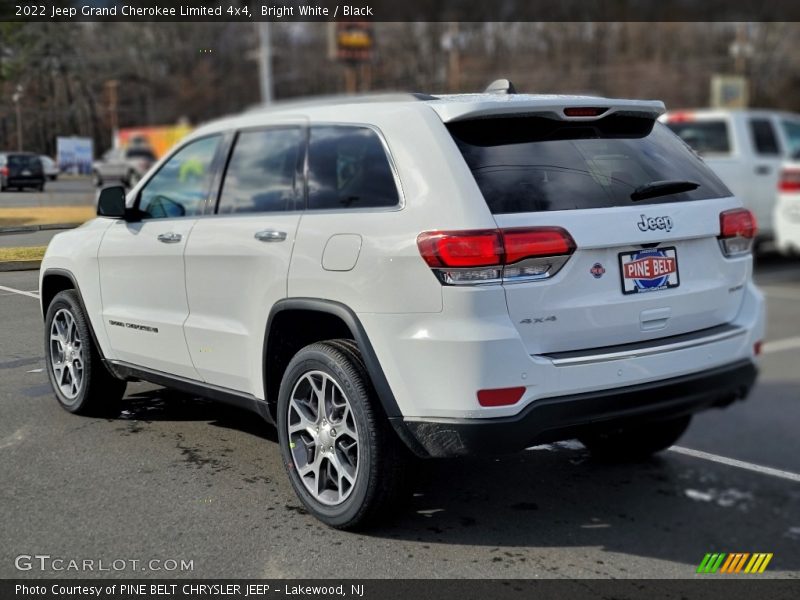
21 170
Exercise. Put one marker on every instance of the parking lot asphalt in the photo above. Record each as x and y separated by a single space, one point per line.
65 191
180 478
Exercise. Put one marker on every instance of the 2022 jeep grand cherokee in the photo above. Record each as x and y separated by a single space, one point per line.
430 275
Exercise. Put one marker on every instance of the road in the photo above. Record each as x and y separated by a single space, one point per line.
182 478
27 238
65 191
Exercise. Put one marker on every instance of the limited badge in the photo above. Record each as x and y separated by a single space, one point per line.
597 270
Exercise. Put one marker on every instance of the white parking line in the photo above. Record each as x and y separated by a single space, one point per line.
780 293
20 292
779 345
732 462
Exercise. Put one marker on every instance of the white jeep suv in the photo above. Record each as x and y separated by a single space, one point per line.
417 275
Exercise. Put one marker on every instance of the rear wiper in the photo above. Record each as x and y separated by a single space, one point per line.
662 188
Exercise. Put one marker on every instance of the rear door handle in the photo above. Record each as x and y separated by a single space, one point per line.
763 170
270 235
170 238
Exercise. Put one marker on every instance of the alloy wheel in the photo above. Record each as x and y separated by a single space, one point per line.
323 438
66 354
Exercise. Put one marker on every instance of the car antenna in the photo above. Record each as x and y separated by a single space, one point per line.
500 86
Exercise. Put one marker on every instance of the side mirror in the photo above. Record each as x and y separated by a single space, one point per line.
111 202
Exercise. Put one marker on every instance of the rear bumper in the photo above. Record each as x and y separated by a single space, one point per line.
23 181
565 417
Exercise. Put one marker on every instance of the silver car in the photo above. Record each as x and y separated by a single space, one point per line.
127 165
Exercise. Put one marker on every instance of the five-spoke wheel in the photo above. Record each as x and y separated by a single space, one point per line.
66 353
343 459
80 380
323 437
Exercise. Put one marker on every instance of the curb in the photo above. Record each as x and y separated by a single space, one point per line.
44 227
20 265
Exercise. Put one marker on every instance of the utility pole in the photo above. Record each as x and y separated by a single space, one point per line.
113 103
741 46
452 43
16 99
264 61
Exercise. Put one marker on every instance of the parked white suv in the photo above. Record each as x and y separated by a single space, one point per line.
787 209
746 148
424 275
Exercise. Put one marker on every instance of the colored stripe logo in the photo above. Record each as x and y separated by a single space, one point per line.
736 562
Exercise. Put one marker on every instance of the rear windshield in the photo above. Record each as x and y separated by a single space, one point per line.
706 137
140 153
29 161
529 164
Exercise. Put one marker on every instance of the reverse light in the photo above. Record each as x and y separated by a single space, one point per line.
737 231
789 181
494 255
500 396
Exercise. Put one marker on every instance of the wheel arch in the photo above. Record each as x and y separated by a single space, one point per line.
54 281
333 319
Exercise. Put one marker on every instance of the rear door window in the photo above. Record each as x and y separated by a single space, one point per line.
264 173
348 168
530 164
707 138
765 142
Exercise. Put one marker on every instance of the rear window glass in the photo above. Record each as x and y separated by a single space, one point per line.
24 160
140 153
529 164
706 137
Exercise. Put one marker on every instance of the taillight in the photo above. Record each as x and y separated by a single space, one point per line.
4 171
494 255
790 180
737 231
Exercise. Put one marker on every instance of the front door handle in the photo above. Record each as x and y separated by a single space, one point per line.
170 238
270 235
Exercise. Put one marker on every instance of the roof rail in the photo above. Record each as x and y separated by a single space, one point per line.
329 100
500 86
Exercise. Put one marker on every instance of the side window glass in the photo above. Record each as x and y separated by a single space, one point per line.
792 131
181 186
348 168
262 174
764 140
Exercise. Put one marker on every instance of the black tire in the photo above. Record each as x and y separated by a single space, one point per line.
98 391
382 459
636 442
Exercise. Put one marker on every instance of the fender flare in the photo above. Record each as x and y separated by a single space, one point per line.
71 277
346 314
